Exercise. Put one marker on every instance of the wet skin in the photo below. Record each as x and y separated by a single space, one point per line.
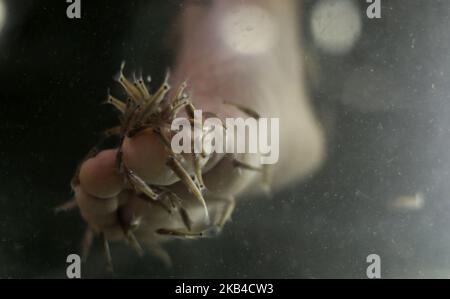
268 80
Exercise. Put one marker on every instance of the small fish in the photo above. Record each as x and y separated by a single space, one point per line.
153 103
118 104
246 110
129 87
69 205
140 84
142 186
179 233
112 131
207 233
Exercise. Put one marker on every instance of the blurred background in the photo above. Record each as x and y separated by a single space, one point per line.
379 86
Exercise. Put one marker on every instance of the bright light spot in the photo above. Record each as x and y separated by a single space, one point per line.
336 25
407 203
248 30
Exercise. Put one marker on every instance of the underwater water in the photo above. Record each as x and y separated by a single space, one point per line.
379 88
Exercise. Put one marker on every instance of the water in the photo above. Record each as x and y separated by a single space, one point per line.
383 104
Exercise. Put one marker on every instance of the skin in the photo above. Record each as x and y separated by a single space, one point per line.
268 80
